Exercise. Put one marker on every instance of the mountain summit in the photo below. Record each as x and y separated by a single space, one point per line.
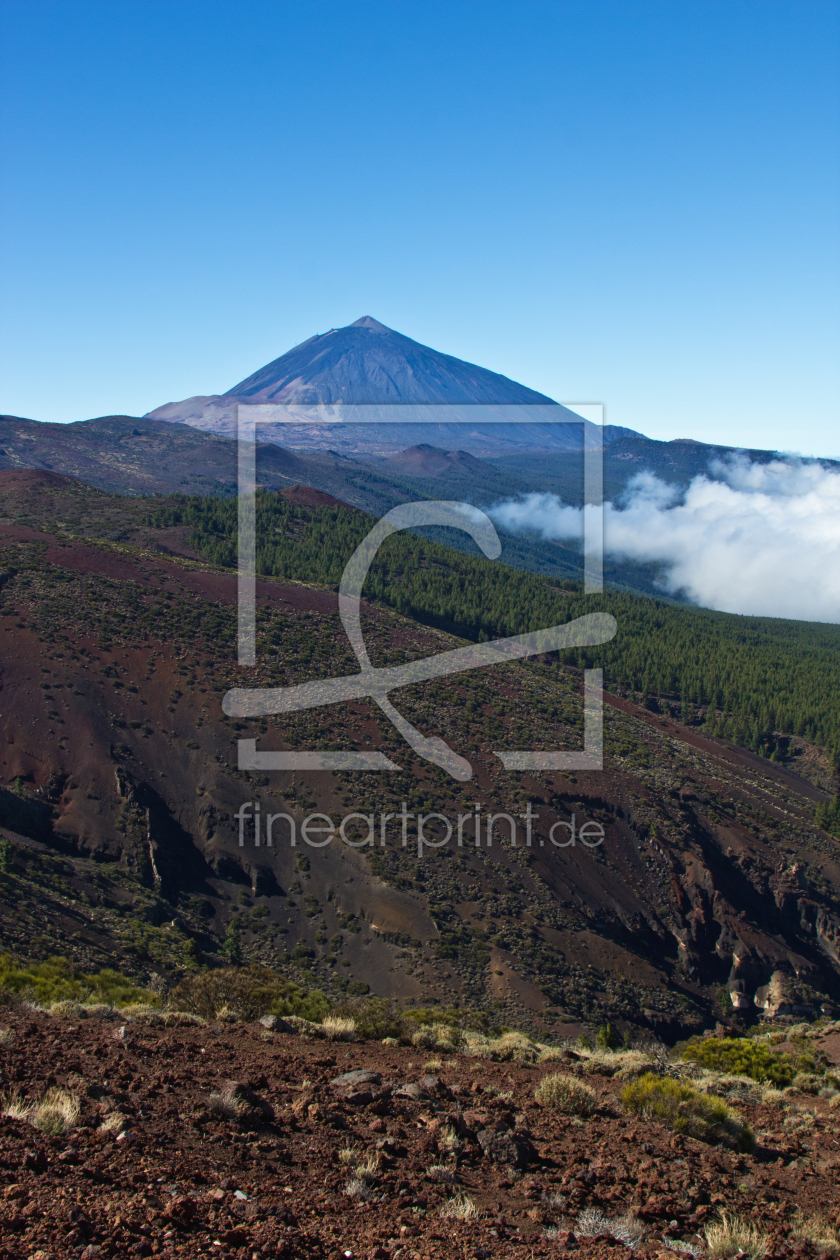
367 363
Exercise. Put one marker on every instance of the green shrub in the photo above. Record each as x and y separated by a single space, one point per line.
247 992
684 1109
375 1018
741 1056
57 980
607 1038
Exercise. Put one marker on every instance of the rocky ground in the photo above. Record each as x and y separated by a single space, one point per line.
228 1140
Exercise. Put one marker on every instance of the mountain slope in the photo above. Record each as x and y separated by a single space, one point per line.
115 662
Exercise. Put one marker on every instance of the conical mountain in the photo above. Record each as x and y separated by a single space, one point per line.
369 364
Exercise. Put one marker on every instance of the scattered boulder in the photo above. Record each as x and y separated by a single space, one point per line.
504 1146
274 1023
415 1092
358 1077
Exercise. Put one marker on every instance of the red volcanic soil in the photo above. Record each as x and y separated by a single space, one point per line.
307 497
152 1169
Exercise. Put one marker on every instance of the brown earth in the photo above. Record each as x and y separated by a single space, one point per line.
170 1178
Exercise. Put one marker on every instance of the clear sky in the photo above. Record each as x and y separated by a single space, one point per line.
634 203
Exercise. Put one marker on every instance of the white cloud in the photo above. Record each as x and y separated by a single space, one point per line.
763 539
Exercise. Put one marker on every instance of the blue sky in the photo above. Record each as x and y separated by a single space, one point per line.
634 203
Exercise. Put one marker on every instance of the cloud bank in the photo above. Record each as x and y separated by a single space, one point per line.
762 539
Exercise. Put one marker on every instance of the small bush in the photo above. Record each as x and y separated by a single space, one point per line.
68 1010
741 1056
442 1174
607 1038
563 1093
248 993
374 1018
732 1236
808 1083
684 1109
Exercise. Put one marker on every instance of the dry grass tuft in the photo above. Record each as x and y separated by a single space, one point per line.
552 1054
368 1169
563 1093
625 1229
623 1063
816 1230
731 1236
116 1122
222 1106
339 1028
16 1107
460 1208
357 1189
100 1010
58 1111
440 1173
448 1140
349 1155
182 1019
433 1065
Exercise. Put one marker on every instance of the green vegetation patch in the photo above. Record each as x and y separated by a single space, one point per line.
741 1056
57 980
248 993
685 1110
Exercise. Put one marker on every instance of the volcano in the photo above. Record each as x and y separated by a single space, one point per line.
369 364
